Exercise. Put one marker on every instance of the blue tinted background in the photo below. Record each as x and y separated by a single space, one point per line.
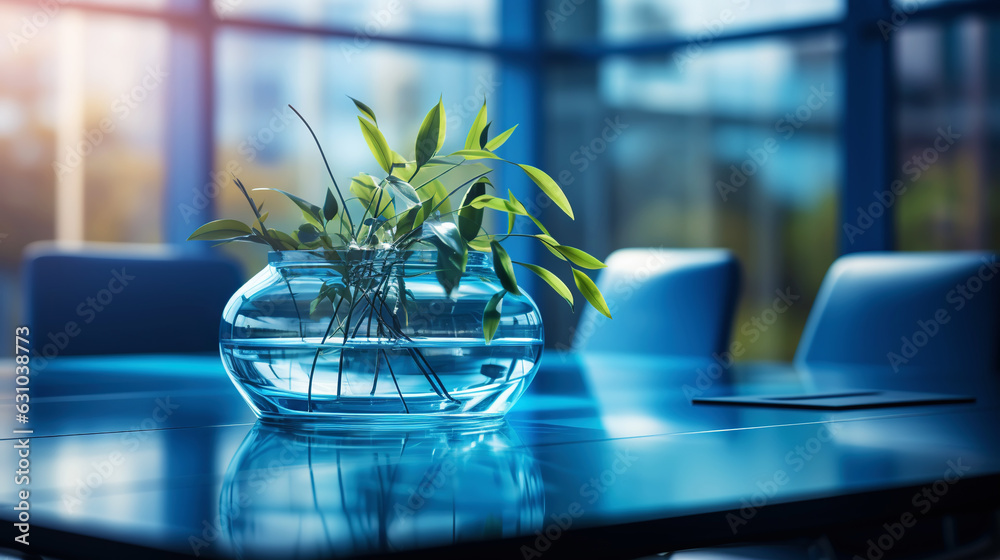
114 115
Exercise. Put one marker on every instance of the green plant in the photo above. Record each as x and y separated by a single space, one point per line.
413 206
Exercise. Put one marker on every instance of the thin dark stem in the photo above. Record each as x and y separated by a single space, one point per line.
328 170
455 190
413 231
343 346
394 381
312 373
295 305
375 380
429 372
378 212
312 370
436 177
263 229
367 211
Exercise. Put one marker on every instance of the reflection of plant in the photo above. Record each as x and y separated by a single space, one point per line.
410 209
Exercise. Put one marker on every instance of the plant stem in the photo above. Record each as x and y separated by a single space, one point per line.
328 170
375 380
394 381
312 370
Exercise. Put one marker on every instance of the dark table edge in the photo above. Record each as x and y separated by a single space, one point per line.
621 541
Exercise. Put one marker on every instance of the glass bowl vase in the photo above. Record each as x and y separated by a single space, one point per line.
362 335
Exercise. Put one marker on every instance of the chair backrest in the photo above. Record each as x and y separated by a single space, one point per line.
902 309
677 302
123 299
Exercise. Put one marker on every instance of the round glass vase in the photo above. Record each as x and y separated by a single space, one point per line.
372 335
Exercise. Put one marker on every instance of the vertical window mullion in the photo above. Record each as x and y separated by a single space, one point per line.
191 186
868 129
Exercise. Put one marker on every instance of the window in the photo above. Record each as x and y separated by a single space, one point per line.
761 127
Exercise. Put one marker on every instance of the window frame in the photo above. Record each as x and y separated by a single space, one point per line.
525 55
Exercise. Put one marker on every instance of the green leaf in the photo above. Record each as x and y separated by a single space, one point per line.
344 241
364 187
263 217
404 196
430 138
475 154
330 207
495 203
471 218
218 230
310 211
590 291
450 267
315 303
287 240
400 167
248 238
377 144
578 257
500 139
504 268
408 221
365 109
308 233
476 130
552 280
481 244
549 243
438 193
548 186
451 175
491 315
485 136
448 234
533 219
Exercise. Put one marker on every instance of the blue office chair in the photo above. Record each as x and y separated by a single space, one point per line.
118 299
906 310
676 302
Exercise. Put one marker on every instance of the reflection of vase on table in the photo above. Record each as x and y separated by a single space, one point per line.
310 494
